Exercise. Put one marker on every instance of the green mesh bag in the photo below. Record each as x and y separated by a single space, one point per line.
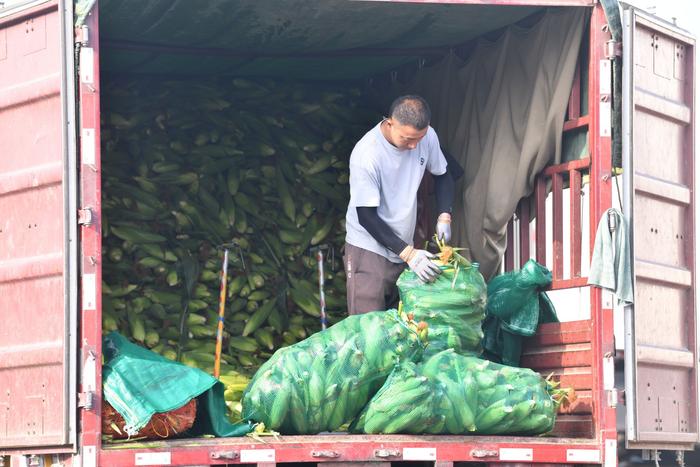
516 307
453 306
324 381
456 394
513 296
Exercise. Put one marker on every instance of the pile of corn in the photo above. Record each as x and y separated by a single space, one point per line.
189 166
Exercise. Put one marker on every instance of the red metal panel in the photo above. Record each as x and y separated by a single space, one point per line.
663 221
33 345
91 241
354 448
601 199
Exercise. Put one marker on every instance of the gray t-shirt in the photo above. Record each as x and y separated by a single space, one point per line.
381 176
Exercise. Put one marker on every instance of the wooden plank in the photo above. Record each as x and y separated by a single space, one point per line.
575 283
558 224
579 378
582 403
573 425
524 216
510 248
541 222
574 109
581 122
571 332
575 222
578 164
566 355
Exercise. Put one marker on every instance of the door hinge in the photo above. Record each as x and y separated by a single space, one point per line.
86 400
85 216
613 49
82 35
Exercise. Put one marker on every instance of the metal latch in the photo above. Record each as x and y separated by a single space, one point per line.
230 455
613 49
86 400
329 454
387 453
85 216
481 453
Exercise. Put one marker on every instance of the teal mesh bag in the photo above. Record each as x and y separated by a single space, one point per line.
453 306
324 381
456 394
516 307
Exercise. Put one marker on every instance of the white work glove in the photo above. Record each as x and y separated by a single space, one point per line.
419 262
443 228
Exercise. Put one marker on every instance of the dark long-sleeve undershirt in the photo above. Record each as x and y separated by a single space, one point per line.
369 218
377 228
444 192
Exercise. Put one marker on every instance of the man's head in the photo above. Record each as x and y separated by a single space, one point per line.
409 117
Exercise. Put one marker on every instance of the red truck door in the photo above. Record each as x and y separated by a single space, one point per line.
38 242
661 352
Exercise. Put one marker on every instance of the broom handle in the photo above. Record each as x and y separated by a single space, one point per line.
222 308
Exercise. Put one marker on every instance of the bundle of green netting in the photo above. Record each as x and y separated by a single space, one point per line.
324 381
453 305
455 394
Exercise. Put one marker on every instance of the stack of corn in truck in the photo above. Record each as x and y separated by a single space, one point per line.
93 194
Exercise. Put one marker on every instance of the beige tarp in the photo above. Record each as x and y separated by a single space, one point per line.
500 114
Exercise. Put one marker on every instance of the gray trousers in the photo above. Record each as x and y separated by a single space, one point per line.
371 280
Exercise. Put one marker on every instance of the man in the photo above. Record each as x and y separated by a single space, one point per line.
386 169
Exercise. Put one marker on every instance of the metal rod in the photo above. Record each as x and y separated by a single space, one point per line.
321 293
222 309
627 179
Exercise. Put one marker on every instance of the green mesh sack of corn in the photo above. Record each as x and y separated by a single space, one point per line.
456 394
324 381
453 305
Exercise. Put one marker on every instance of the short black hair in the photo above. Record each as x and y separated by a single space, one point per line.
411 110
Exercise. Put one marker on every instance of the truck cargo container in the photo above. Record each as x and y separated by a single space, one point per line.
632 97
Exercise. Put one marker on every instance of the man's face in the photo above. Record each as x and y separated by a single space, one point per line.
404 137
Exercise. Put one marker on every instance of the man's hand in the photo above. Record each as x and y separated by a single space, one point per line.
419 262
443 229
